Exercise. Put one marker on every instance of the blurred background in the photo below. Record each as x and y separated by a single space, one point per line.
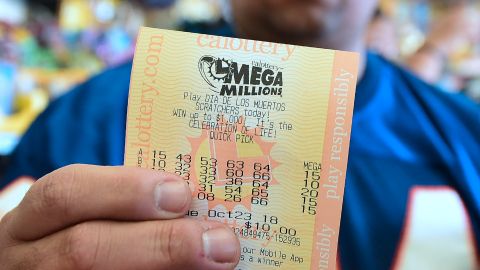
48 46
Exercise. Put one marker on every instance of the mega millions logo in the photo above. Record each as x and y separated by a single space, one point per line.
229 78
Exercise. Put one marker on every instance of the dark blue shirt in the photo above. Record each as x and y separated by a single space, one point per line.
407 136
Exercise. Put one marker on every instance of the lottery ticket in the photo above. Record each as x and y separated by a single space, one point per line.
259 130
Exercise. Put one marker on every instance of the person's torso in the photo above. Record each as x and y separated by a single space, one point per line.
412 198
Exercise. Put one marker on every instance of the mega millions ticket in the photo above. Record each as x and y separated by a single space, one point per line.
259 130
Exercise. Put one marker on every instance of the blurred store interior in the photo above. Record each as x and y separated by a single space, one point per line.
48 46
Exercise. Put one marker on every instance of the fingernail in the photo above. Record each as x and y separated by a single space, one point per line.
172 196
220 245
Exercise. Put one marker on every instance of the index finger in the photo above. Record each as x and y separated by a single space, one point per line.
79 193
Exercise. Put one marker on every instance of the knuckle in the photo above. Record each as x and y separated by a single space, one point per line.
51 194
80 247
54 191
172 243
6 237
11 261
20 256
5 219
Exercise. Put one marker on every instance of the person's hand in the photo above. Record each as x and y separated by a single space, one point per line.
89 217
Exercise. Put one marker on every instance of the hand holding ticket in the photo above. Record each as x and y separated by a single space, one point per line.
259 130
